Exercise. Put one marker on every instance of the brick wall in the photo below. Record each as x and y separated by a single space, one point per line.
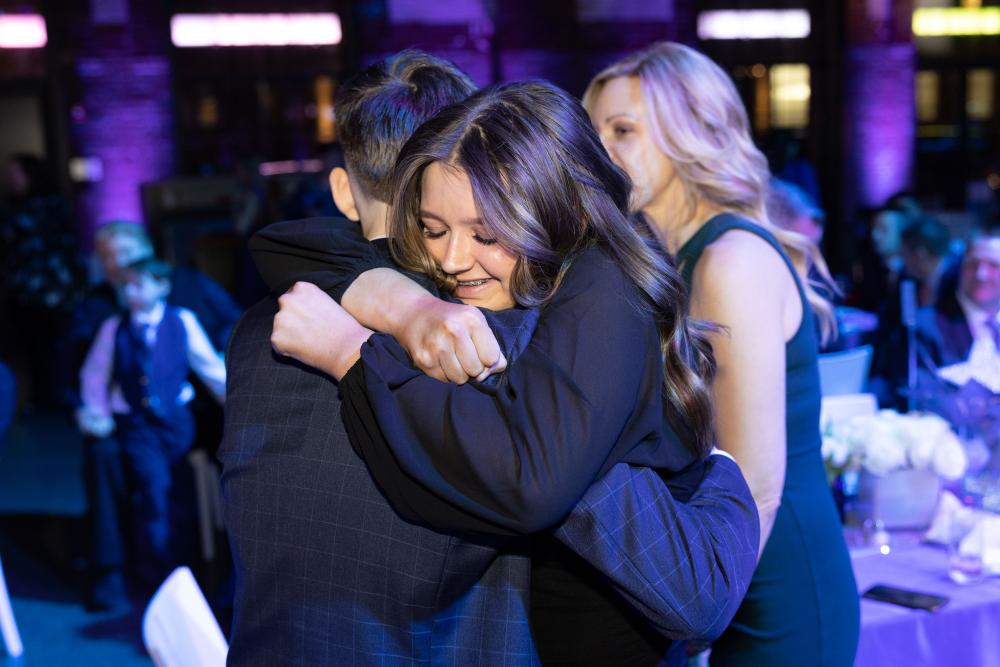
120 105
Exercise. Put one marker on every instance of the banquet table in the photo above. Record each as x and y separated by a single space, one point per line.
965 632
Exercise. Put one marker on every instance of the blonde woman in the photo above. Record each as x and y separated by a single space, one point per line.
672 119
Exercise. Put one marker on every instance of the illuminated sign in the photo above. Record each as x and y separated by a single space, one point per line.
754 24
204 30
22 31
956 21
290 167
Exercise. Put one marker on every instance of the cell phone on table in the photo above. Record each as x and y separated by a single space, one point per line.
905 598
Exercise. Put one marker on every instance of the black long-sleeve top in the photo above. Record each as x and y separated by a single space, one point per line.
515 454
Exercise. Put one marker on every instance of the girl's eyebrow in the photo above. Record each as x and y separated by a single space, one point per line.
623 114
424 213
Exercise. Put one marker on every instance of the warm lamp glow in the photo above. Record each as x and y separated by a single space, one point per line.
956 21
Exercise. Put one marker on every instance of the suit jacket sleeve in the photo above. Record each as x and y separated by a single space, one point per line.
684 566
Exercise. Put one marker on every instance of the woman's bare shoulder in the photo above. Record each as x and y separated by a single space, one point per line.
742 262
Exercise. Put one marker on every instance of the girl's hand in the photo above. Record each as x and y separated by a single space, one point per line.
447 341
311 328
450 342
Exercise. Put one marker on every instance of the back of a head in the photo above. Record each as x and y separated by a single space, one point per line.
787 202
928 234
378 109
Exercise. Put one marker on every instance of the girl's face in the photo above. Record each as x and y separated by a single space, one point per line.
460 243
622 121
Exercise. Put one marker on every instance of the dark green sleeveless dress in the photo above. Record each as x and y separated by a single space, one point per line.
802 607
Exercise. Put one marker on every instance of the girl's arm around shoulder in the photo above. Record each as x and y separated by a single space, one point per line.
522 454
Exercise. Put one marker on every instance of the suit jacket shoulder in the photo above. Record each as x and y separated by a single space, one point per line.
327 572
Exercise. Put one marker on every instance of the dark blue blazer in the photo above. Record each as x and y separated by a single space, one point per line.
326 572
943 332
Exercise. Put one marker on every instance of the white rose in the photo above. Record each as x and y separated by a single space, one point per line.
884 452
949 458
921 453
836 450
923 433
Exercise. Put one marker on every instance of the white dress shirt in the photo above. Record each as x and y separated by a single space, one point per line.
101 397
983 342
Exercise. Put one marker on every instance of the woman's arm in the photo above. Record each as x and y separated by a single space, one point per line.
584 394
328 252
442 337
742 284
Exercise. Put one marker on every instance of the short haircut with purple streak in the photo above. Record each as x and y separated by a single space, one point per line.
378 109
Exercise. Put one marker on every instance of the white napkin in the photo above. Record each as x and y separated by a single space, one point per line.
977 531
983 366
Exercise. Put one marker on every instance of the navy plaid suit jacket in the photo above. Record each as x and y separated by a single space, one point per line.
326 572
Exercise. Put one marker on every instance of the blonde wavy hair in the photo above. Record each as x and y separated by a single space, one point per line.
700 124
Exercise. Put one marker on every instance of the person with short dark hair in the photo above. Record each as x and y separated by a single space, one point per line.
924 245
134 382
789 207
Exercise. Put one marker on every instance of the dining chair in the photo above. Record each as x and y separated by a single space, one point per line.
179 628
8 627
209 506
844 372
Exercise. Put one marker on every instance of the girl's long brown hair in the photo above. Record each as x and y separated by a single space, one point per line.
546 189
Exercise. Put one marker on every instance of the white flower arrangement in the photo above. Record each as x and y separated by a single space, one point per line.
888 441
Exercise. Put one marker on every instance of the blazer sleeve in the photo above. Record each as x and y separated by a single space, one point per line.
685 566
328 252
519 454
